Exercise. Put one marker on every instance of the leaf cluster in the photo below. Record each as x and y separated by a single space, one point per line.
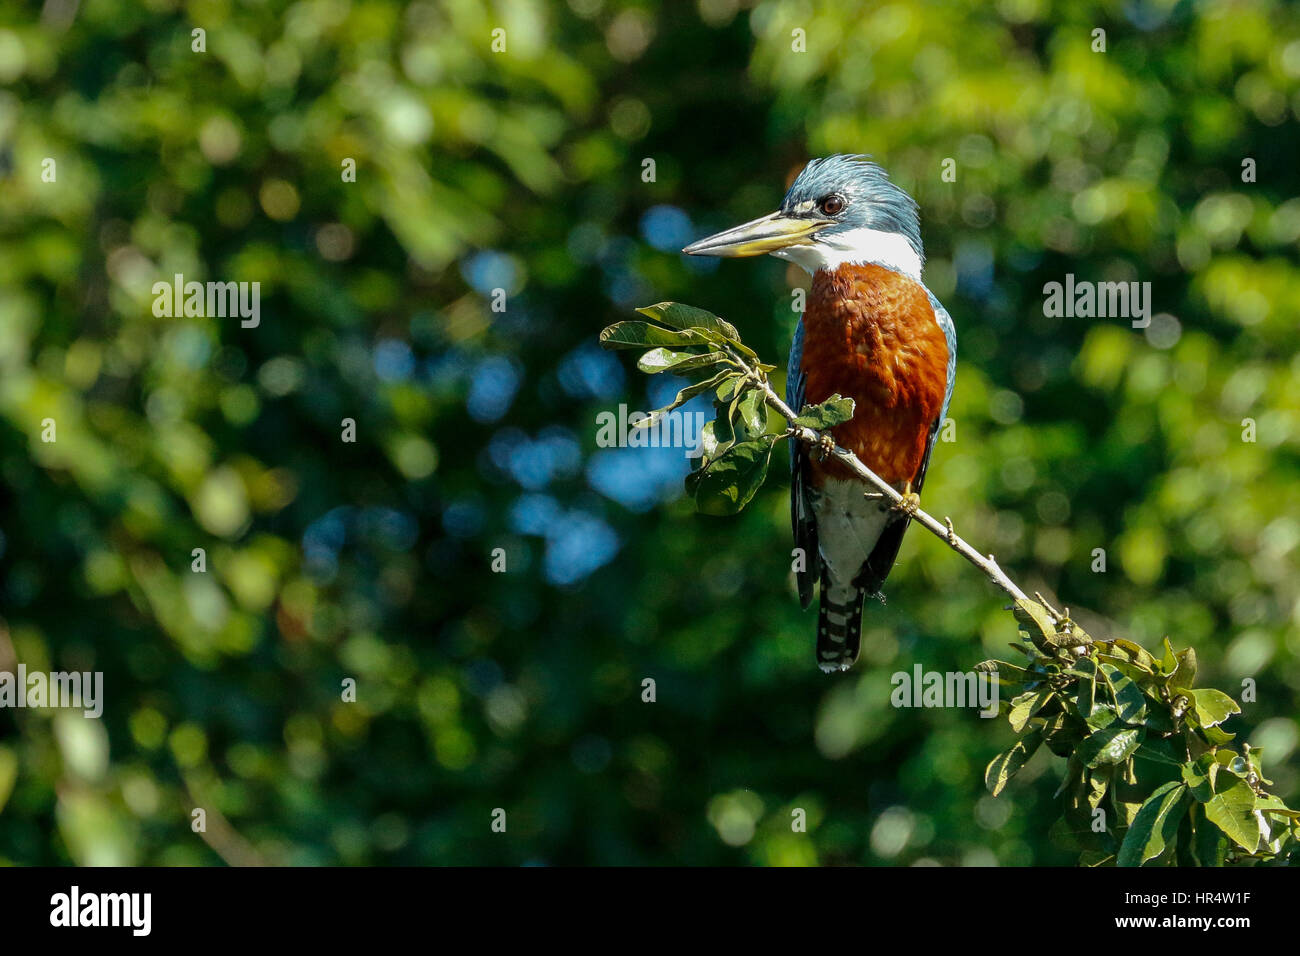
737 444
1149 776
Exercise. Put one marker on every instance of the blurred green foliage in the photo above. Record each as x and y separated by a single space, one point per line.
523 171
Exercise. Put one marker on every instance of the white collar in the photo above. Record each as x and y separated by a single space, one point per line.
890 250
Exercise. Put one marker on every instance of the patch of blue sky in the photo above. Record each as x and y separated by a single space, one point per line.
493 385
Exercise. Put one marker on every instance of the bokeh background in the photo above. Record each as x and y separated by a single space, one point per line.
476 429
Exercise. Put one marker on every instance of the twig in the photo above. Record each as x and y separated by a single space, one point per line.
942 530
219 833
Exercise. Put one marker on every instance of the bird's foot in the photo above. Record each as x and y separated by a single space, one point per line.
825 446
909 504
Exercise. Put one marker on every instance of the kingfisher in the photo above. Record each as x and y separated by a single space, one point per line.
870 331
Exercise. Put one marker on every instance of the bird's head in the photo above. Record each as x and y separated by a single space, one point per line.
840 209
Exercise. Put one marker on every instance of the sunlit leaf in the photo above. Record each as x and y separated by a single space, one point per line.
635 334
680 316
834 411
1154 827
667 360
1026 705
1008 763
1231 808
1110 745
1213 707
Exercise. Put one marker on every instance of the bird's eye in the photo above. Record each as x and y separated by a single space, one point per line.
833 205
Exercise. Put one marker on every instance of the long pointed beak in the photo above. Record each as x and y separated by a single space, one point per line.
766 234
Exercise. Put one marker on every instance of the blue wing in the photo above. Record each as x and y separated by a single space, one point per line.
802 519
950 333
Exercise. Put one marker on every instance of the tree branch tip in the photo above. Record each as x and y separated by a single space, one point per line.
1060 618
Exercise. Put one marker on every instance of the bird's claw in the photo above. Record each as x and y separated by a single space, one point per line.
825 446
909 503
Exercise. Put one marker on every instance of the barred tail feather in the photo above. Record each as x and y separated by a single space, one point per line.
839 624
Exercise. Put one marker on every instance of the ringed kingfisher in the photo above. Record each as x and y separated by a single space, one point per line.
873 332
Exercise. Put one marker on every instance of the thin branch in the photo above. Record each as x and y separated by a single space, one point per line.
942 530
219 833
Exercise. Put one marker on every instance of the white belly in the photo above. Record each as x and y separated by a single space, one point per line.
848 526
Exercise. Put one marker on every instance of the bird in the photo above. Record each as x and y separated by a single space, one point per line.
870 331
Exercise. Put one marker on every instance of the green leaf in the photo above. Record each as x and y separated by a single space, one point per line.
1272 804
1098 782
1084 667
1103 715
1007 674
730 387
728 482
834 411
1200 775
1155 825
1130 702
1126 812
1086 688
1137 653
680 316
753 413
1159 720
1212 707
1036 622
1110 745
1168 751
634 334
1209 843
1026 705
1184 675
1061 732
1008 763
709 443
1130 669
1074 778
1231 808
666 360
1215 736
1168 662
